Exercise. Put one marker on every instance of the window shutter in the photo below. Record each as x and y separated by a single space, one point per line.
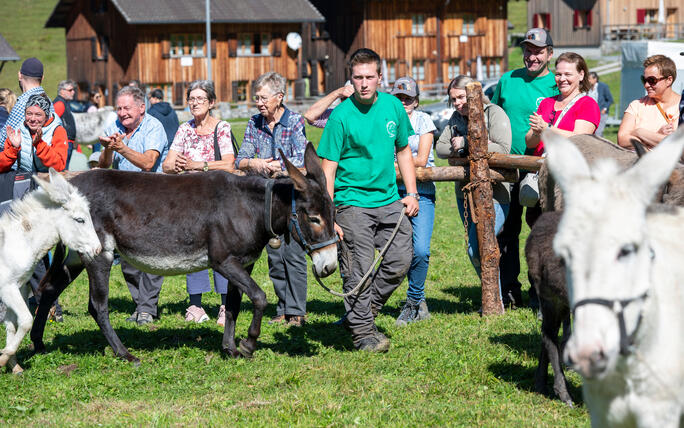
548 21
105 48
93 48
277 44
641 16
535 20
213 47
234 90
165 46
178 94
589 17
576 18
232 45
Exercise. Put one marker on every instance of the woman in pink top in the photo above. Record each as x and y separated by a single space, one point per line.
653 117
569 113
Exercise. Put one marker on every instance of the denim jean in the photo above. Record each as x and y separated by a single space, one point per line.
198 282
422 234
500 213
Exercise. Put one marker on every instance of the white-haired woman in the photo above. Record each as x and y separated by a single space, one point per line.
193 150
278 128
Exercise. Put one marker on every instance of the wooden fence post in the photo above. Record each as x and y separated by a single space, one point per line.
482 206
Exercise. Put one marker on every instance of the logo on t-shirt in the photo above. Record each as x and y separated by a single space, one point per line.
539 100
391 129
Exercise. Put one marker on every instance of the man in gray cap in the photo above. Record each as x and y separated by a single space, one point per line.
519 93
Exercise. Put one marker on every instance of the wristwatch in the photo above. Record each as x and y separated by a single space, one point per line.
415 195
206 166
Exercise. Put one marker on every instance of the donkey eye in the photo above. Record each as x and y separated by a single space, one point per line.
627 250
315 219
79 220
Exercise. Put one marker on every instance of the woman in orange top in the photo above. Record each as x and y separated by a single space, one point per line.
40 143
653 117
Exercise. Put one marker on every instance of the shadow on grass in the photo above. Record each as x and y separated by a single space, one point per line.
468 299
527 345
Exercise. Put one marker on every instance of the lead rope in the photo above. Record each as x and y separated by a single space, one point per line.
363 284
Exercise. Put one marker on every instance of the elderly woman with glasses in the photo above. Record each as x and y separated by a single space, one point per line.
278 128
194 150
653 117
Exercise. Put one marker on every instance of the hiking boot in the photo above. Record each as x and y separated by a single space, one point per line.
376 342
145 318
278 319
193 314
422 313
133 317
221 319
408 313
296 320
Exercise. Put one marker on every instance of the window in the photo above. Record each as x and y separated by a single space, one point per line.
468 27
254 44
418 70
492 68
240 90
99 48
454 68
166 88
541 20
582 19
418 25
186 44
391 70
647 16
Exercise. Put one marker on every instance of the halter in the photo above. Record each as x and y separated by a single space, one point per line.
294 223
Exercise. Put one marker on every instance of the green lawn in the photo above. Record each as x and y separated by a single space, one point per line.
517 15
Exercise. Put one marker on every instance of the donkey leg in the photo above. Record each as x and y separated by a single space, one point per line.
235 273
53 284
233 300
98 306
22 321
553 350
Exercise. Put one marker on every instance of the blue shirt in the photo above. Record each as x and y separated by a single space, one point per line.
18 113
149 135
288 135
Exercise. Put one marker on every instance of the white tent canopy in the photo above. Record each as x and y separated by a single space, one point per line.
633 56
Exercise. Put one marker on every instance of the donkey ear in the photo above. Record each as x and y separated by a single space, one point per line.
654 168
312 163
564 160
58 189
296 176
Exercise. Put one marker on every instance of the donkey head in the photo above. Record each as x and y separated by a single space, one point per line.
72 217
604 243
313 225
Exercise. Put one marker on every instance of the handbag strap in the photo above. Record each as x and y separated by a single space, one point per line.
217 150
567 108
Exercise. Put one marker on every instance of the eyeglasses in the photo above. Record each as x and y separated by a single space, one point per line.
70 90
651 80
262 99
197 100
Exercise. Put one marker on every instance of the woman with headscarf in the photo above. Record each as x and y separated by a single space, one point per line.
40 143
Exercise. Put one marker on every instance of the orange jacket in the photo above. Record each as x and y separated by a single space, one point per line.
52 155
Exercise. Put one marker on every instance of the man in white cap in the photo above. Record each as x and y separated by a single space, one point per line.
519 93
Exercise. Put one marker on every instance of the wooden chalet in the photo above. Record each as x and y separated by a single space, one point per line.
590 22
431 40
162 43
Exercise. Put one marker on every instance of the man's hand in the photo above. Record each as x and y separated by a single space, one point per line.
14 137
411 205
457 142
113 142
345 91
339 231
37 137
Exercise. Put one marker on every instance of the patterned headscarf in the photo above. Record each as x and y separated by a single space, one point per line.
41 100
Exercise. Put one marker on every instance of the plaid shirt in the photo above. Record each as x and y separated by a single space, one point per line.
288 135
17 116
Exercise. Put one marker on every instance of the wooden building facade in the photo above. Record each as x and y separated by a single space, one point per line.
162 43
431 40
589 22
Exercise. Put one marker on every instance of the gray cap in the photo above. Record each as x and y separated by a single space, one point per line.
405 85
95 157
538 37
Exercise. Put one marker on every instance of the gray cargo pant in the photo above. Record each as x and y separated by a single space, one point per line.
365 231
287 270
144 287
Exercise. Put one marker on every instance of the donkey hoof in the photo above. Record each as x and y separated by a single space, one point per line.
245 349
4 358
17 370
230 352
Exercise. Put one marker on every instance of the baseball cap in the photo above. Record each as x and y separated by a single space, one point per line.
538 37
32 67
95 157
405 85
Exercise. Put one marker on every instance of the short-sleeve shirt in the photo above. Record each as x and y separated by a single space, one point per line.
422 124
362 139
201 147
647 116
519 95
585 108
149 135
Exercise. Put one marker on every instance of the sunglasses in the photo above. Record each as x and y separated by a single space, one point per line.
652 80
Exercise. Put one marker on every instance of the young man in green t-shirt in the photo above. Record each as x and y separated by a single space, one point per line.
519 93
358 148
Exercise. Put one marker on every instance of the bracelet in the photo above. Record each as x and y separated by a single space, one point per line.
415 195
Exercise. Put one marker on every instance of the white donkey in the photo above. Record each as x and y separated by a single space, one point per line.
625 277
33 225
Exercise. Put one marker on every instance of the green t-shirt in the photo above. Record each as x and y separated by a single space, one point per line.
362 140
519 95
